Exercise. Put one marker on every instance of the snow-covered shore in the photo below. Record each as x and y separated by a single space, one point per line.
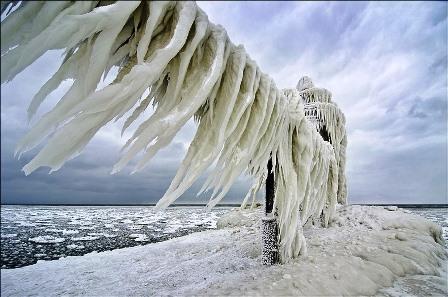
362 253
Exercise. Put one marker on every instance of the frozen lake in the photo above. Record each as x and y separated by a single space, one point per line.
32 233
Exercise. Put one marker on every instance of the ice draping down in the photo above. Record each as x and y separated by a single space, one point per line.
192 70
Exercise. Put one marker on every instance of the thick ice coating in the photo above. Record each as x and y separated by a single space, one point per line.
192 70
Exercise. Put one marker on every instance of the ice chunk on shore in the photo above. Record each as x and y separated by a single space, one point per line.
238 219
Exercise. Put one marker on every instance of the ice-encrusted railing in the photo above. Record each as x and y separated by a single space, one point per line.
192 70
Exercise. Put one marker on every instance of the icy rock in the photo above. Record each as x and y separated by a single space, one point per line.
236 219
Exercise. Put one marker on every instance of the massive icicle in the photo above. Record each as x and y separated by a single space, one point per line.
191 69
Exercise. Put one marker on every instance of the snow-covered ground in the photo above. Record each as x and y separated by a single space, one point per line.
367 251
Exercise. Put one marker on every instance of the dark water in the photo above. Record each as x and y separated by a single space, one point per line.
32 233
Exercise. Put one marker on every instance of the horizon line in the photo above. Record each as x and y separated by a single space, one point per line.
405 205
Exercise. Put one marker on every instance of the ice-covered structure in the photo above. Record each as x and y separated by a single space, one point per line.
329 120
191 69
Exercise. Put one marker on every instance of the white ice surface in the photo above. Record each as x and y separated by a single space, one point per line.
363 252
84 238
9 235
75 246
46 239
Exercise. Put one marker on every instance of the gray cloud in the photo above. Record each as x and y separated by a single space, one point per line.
385 63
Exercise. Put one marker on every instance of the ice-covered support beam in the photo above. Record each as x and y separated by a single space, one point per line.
270 253
270 189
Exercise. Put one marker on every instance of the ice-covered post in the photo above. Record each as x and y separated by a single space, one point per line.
269 222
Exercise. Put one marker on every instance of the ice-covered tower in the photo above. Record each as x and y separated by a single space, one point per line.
329 120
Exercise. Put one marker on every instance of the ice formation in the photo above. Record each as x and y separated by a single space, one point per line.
364 251
191 69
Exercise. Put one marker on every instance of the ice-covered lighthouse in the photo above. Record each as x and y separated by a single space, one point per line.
170 56
325 116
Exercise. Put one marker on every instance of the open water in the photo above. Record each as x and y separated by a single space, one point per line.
32 233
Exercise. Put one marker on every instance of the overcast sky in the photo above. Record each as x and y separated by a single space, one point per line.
385 63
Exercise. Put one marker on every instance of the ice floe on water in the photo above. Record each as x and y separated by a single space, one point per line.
10 235
139 237
64 232
26 224
102 234
144 222
68 232
47 239
133 227
75 246
98 228
85 238
52 230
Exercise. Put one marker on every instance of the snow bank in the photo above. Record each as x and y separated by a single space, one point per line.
363 252
241 218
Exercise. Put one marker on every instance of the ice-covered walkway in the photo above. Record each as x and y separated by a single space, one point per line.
365 250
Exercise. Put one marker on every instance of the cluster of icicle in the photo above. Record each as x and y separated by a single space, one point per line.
318 105
192 70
